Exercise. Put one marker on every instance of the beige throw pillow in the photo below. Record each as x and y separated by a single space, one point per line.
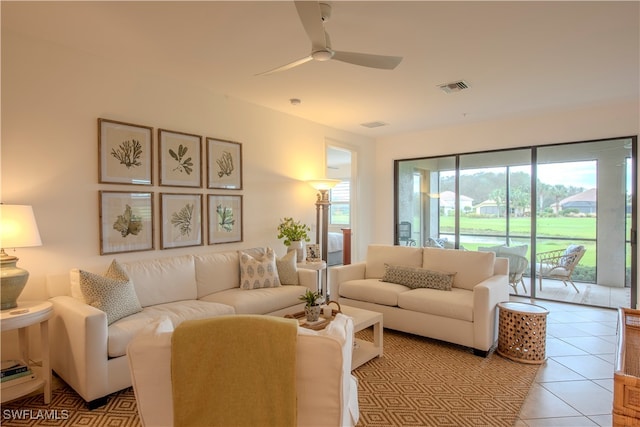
288 268
112 293
258 271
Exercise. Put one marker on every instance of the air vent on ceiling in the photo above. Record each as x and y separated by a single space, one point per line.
373 124
454 86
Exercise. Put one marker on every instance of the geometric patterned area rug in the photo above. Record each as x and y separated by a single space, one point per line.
418 382
68 409
424 382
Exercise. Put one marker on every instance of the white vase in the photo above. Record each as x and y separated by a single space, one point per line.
300 249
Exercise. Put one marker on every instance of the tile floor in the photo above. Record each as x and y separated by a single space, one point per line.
575 385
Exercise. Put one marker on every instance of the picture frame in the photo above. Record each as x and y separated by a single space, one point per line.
225 218
224 164
313 253
125 153
180 159
126 221
181 220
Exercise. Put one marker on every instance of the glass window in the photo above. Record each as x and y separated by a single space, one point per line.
339 213
542 201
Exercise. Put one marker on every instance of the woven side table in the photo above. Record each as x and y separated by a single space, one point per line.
522 332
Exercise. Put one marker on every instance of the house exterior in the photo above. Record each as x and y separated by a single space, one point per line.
585 202
448 202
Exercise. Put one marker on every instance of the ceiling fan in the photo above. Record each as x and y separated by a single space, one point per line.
313 16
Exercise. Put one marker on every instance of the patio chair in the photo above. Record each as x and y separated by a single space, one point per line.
518 262
517 266
404 233
559 264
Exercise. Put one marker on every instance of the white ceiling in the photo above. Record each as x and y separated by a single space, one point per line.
517 57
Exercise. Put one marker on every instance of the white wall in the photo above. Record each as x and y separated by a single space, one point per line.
51 100
591 123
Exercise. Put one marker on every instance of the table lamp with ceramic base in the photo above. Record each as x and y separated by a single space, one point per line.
18 229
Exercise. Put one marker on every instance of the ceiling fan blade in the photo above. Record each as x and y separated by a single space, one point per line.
368 60
287 66
311 17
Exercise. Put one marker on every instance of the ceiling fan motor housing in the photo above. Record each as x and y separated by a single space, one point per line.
325 11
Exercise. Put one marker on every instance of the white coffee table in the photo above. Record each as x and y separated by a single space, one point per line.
364 351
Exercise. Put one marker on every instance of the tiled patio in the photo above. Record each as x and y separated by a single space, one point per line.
590 294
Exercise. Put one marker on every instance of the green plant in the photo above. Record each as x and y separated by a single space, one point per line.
311 298
293 231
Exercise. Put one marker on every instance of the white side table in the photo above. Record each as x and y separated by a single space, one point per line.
20 318
319 267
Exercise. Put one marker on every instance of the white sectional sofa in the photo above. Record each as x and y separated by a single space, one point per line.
466 314
89 354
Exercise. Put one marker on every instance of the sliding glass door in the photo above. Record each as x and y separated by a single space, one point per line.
529 204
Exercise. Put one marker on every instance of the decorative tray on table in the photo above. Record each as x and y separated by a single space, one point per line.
318 325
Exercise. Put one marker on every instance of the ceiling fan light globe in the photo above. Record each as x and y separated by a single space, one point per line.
322 55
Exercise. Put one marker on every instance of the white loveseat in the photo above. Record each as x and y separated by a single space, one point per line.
466 314
90 355
327 393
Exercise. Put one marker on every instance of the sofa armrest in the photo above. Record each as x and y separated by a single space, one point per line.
308 278
79 346
343 273
486 296
501 266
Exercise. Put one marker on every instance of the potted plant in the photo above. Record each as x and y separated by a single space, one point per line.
295 235
312 307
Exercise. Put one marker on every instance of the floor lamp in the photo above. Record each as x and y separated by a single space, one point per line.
323 203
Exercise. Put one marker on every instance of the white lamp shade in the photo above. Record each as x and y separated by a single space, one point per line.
323 184
18 228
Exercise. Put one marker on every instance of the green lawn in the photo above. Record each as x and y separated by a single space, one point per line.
582 228
576 228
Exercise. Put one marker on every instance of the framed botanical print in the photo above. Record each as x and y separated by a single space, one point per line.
126 221
125 153
224 164
180 157
181 220
225 218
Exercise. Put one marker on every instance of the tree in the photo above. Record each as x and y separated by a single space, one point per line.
498 196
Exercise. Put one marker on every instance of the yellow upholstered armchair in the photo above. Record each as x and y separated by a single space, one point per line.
559 264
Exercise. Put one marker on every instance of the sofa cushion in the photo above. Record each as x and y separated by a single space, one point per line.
414 277
217 272
259 301
112 293
288 269
471 267
164 280
379 255
457 304
258 271
121 332
372 290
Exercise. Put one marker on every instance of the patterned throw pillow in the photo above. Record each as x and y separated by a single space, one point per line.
112 293
258 271
288 269
414 277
